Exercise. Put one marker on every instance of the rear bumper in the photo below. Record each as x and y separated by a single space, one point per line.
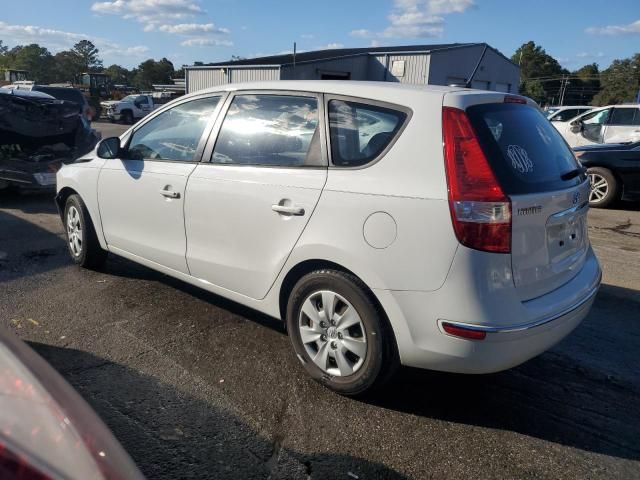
515 331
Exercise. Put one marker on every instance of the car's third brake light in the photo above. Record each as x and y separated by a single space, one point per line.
480 211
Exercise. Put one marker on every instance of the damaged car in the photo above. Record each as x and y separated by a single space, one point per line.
38 134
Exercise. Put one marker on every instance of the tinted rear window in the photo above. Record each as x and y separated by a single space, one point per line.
525 151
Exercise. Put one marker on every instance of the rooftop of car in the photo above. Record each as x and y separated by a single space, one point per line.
383 91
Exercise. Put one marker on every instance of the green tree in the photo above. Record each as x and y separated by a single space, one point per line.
87 54
4 58
585 83
118 74
37 60
67 67
536 64
620 82
153 72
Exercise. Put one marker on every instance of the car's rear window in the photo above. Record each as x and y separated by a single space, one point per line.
526 153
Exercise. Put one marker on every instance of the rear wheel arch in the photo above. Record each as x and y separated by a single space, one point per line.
308 266
380 362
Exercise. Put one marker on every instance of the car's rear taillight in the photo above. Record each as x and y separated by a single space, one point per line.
480 211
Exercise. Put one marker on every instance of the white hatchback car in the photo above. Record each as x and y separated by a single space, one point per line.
433 227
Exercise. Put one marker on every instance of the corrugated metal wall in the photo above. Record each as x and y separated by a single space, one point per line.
201 78
253 74
436 68
416 68
455 65
355 66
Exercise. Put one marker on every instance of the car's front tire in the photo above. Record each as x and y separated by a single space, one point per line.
339 333
605 190
82 241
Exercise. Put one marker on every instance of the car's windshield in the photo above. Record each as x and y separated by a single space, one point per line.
551 111
130 98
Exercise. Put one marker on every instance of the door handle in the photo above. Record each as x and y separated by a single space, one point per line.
170 193
288 210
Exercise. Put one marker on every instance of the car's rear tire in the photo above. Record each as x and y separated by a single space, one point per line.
349 347
82 241
605 190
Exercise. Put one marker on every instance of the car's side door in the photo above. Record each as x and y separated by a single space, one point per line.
593 127
246 209
141 194
623 124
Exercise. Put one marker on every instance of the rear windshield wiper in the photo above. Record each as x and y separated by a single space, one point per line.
573 173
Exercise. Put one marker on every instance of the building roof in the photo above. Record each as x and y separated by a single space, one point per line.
316 55
397 93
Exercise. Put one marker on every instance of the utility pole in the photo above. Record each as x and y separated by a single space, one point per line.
563 89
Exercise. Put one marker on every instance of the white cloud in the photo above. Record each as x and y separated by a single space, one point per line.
206 42
590 55
193 28
51 38
168 16
307 36
630 29
57 40
330 46
361 33
417 19
149 12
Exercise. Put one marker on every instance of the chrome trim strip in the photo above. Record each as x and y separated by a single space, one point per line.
526 326
571 210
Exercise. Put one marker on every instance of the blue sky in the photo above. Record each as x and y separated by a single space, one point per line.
130 31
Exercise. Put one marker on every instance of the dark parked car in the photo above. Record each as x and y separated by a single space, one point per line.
614 170
39 133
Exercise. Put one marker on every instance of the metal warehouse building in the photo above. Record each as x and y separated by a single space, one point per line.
443 64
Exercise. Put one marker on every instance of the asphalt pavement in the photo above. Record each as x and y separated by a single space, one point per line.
195 386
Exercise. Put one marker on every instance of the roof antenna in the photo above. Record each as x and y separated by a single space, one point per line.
469 81
294 60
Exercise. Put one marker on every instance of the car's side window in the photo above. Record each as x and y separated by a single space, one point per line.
174 134
625 117
566 115
360 132
270 130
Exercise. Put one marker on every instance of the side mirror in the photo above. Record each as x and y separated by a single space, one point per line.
576 127
109 148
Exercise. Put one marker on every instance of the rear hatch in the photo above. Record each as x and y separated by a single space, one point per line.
548 191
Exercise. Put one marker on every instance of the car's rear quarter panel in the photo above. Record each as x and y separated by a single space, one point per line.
409 185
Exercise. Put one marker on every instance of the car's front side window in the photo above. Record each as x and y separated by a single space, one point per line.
270 130
175 133
360 132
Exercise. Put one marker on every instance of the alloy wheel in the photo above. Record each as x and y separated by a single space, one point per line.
74 231
332 333
599 188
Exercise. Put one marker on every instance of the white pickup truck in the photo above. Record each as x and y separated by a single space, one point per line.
129 109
